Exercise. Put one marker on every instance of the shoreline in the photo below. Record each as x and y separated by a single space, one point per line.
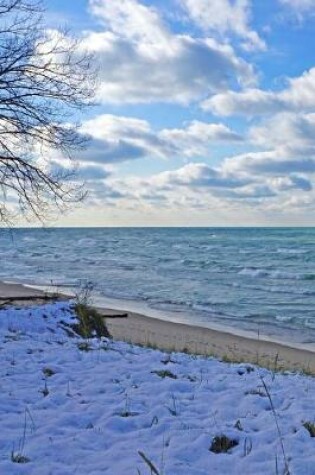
180 337
120 305
170 336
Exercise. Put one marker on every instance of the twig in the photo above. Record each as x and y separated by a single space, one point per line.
286 464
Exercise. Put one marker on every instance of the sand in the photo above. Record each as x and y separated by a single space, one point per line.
18 294
140 329
149 331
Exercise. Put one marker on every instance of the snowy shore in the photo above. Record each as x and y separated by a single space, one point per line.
159 331
68 406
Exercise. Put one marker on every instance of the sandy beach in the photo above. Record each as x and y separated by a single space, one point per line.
18 294
170 336
148 331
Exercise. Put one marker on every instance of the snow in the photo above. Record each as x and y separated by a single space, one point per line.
69 411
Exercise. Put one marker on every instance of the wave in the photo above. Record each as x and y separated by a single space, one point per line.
86 242
285 250
284 318
309 323
264 273
241 278
29 239
198 264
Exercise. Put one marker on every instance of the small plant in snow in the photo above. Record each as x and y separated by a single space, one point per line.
152 467
127 412
222 444
173 410
90 322
48 372
45 391
18 456
285 459
310 426
248 445
84 346
164 374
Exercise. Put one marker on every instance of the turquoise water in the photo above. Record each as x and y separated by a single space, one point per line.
252 279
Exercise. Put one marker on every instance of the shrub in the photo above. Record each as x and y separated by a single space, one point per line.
222 444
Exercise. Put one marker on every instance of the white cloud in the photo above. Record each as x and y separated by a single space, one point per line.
141 60
198 175
117 138
196 137
291 182
224 17
249 102
197 185
130 19
273 163
300 6
256 178
298 95
293 133
265 183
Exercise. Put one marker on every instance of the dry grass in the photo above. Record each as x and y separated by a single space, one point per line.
90 322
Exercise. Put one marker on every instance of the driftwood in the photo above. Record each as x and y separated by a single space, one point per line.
28 298
117 315
4 301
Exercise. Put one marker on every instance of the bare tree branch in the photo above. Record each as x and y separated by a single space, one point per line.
45 78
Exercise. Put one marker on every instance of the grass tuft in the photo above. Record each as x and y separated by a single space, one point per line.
310 426
128 414
17 457
84 346
48 372
45 390
164 374
256 392
90 322
221 444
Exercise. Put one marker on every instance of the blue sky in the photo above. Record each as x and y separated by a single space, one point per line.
205 115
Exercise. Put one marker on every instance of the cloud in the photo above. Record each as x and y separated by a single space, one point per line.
196 137
103 192
198 186
264 182
298 95
251 178
268 163
132 20
117 138
100 151
252 193
250 102
246 174
80 172
92 172
293 133
195 183
292 182
198 175
300 6
142 61
225 17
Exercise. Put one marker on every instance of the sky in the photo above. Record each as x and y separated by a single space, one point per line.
205 112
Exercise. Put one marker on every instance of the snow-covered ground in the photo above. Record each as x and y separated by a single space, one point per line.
65 411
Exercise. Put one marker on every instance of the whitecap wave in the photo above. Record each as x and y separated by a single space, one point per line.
274 274
285 250
86 242
284 318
